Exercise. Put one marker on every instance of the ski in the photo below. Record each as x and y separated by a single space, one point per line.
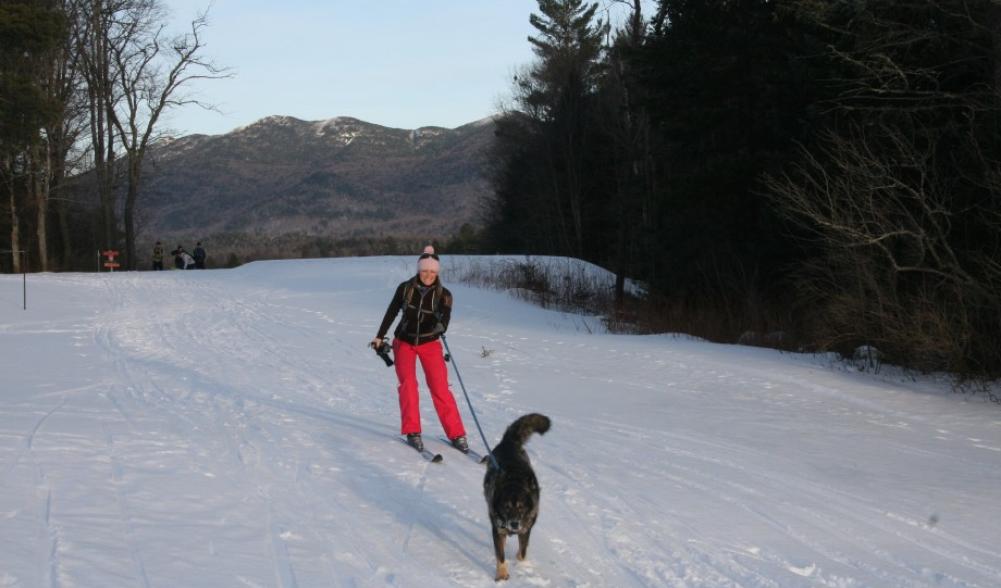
471 454
432 457
425 453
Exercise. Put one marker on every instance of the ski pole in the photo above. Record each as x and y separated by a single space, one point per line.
490 454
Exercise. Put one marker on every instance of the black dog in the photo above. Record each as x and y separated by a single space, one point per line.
512 491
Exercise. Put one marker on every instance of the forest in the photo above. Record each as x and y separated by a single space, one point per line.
805 174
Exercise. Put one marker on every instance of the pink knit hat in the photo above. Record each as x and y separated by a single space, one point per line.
428 260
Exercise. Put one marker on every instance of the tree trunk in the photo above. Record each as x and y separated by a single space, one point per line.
62 214
15 228
100 90
40 189
559 222
102 175
574 170
110 181
995 27
57 154
620 271
630 148
131 196
62 132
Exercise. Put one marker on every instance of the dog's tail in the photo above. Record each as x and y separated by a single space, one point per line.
520 430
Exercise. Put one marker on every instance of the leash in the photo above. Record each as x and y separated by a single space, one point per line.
490 454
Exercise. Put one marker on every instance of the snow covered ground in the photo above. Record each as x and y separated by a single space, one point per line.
230 428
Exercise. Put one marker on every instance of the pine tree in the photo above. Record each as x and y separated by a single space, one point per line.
30 35
728 98
568 47
541 184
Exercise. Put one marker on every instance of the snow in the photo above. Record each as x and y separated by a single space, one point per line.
230 428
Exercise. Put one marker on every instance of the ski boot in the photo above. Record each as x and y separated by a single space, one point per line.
461 444
414 440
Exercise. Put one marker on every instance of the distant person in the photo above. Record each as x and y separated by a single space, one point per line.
182 259
189 262
199 255
178 260
157 257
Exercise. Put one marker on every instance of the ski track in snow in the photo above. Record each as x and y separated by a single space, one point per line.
229 428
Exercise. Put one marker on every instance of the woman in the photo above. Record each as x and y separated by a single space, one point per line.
427 308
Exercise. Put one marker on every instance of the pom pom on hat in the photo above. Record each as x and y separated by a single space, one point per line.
428 260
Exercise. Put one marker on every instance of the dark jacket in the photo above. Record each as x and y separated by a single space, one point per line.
178 260
425 314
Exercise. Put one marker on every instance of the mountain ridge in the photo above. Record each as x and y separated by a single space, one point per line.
338 178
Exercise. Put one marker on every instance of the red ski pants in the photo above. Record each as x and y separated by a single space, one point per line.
436 375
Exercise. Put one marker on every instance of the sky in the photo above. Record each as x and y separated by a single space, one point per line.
397 63
230 428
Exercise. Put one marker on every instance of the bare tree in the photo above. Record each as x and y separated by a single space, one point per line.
901 193
63 133
891 270
151 70
98 29
134 73
858 193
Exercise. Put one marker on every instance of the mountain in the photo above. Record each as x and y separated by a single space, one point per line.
340 178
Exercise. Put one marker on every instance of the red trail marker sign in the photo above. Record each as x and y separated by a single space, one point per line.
111 264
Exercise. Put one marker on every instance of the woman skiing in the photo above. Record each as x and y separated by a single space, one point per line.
427 308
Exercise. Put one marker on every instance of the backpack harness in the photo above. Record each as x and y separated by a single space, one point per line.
408 294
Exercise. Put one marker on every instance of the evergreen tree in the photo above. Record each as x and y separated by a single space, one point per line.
30 35
568 47
543 147
625 154
728 96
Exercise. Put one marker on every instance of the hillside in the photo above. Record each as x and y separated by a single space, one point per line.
339 178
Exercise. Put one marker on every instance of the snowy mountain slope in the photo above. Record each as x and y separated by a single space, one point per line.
229 428
342 177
